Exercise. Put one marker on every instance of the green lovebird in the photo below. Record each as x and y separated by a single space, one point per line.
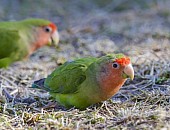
19 39
87 81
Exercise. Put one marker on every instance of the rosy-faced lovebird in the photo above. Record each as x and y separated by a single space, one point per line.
87 81
19 39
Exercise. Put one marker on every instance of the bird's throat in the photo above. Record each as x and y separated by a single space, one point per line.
110 86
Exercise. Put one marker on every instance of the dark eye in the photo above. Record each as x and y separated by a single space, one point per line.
47 29
115 65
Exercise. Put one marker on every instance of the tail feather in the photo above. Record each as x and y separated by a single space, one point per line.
39 84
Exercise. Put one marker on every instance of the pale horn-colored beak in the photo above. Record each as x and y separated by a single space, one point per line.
55 38
128 72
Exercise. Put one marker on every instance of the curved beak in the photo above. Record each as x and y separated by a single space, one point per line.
128 72
55 38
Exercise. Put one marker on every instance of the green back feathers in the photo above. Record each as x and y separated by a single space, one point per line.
24 23
68 77
36 22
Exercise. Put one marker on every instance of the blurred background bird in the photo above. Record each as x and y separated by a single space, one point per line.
19 39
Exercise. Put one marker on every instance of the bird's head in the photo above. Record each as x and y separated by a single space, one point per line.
51 33
47 34
113 71
43 32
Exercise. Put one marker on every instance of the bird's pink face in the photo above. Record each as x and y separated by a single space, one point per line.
45 35
113 75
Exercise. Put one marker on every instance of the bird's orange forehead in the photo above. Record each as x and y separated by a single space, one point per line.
123 61
53 26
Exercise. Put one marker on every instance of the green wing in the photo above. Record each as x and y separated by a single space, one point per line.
68 77
7 39
9 46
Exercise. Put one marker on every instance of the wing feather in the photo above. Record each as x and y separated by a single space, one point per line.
68 77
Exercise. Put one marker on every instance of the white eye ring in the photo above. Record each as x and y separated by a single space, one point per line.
115 65
48 29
